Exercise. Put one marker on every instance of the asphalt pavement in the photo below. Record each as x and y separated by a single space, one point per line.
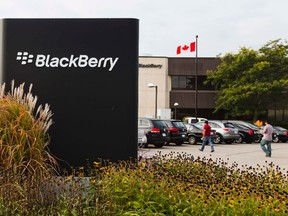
245 155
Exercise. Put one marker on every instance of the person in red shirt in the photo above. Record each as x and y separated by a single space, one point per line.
206 137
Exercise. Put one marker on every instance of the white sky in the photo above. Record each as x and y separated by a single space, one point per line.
222 26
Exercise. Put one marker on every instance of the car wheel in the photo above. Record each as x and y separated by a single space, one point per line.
241 139
258 139
275 139
167 144
192 140
217 139
158 145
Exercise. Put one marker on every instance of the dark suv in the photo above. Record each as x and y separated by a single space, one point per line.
178 131
256 129
156 131
247 134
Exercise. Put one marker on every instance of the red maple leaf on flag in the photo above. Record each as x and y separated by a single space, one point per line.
185 47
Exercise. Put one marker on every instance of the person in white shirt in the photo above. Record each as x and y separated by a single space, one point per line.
267 139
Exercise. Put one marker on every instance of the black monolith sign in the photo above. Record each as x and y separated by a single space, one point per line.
87 70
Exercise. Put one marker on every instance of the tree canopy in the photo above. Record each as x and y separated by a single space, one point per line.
252 81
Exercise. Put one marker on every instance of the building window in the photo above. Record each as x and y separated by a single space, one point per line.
188 82
183 82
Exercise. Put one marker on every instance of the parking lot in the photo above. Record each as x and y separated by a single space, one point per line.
243 154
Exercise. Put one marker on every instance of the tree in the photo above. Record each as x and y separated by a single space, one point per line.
250 82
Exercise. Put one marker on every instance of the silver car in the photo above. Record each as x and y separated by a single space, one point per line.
142 139
225 131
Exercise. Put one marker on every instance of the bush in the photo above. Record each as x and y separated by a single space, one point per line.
25 158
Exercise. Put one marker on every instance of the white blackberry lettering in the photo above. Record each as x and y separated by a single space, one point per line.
71 61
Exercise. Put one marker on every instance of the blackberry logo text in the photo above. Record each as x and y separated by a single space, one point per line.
71 61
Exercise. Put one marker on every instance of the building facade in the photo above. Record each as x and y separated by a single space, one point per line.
180 81
188 89
176 79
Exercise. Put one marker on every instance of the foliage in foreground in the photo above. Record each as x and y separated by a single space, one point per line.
184 185
173 184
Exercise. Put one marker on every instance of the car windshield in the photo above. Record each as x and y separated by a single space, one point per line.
159 124
189 127
252 126
215 125
228 125
280 128
246 124
178 124
242 126
143 122
198 126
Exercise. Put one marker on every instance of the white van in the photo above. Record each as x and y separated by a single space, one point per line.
194 120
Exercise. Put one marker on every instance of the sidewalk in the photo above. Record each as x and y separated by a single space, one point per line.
242 154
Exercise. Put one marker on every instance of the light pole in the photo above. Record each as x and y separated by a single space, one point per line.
151 85
175 105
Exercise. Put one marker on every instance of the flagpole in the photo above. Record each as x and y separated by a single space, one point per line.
196 79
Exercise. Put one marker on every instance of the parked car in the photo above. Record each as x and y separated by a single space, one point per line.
142 139
195 133
178 131
247 134
282 133
256 129
156 131
225 131
193 120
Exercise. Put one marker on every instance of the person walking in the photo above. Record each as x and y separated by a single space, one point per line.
206 137
267 138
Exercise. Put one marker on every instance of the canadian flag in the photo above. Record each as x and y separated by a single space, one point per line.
185 48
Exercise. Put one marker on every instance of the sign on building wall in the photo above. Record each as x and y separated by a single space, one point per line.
87 70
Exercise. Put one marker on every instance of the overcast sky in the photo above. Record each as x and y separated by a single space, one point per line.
222 26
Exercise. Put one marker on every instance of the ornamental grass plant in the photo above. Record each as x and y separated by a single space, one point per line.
23 135
25 159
